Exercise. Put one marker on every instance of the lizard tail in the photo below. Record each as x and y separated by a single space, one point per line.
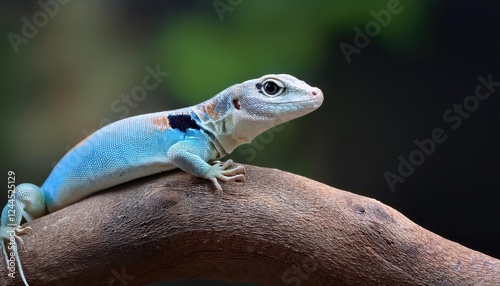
21 272
5 255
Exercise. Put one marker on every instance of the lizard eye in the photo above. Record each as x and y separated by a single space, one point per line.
271 87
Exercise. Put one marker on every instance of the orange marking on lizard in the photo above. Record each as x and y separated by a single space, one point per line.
209 109
161 122
242 139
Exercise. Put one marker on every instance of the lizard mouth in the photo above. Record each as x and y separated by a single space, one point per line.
289 107
314 100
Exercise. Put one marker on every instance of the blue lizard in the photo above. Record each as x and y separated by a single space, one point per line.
147 144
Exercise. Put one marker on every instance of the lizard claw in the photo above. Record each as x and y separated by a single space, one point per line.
222 171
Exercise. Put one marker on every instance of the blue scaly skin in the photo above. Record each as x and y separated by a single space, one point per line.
147 144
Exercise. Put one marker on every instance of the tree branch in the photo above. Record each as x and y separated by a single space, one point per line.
276 229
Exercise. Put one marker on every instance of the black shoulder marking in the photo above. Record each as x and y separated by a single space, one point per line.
182 122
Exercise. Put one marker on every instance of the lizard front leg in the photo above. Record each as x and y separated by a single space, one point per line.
27 202
192 156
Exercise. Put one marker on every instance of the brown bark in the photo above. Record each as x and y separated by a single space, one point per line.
276 229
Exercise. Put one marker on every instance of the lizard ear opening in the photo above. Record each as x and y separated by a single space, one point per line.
236 104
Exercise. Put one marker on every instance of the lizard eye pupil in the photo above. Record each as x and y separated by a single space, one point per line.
272 88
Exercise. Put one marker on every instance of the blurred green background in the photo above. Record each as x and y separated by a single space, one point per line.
73 72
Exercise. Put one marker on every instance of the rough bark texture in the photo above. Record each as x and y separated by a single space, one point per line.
276 229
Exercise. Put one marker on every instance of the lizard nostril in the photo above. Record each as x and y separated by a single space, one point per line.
317 93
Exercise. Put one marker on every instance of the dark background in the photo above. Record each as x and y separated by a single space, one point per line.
63 82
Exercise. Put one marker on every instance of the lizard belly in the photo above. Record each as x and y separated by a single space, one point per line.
109 157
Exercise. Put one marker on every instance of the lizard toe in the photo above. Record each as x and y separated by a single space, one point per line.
235 178
233 171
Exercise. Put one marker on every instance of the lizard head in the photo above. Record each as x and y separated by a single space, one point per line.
243 111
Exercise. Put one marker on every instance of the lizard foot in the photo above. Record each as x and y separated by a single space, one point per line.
20 231
224 172
8 234
14 232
